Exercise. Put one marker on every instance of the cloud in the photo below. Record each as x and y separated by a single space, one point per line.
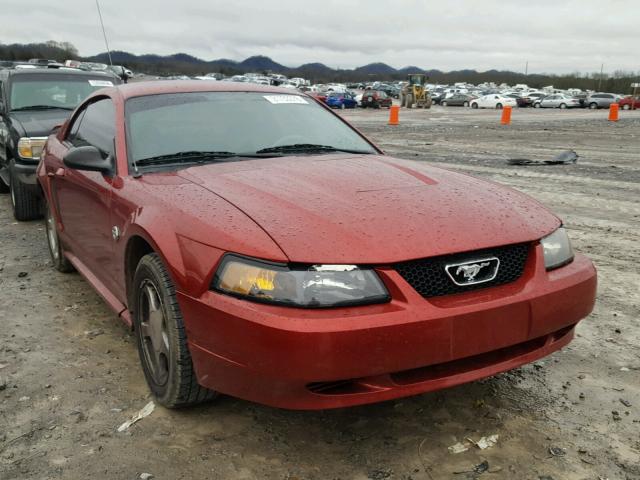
575 35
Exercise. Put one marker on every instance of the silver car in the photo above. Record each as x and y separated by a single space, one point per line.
557 101
601 100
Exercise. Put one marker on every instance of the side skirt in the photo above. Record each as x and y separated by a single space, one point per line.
116 305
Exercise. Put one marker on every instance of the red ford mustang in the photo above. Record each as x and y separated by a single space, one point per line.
261 247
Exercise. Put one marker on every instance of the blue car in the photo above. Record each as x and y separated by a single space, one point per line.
341 100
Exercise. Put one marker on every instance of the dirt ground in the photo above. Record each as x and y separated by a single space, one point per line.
69 372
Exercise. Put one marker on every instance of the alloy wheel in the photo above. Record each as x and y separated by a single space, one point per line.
52 235
153 332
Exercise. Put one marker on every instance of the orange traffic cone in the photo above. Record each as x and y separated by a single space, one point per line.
613 112
394 114
506 115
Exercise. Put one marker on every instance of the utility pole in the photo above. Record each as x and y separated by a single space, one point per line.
104 34
526 68
600 79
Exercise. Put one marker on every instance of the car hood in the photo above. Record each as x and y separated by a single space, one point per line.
370 209
38 123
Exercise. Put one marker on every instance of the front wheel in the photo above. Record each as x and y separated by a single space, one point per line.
342 106
444 104
626 107
499 106
593 106
563 106
25 203
161 337
536 105
465 104
474 105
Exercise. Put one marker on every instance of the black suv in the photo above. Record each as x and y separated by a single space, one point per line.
32 102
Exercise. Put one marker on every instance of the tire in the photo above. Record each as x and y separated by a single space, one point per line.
25 203
537 105
409 101
593 106
58 259
498 106
444 104
474 105
342 106
563 106
167 366
626 107
465 104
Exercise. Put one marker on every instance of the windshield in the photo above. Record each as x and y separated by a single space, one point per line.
234 123
55 91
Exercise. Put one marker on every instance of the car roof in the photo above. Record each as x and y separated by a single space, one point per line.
56 71
159 87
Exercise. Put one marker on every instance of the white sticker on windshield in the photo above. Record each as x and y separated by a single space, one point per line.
101 83
275 99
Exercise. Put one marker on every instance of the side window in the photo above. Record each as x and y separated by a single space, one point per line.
97 127
73 131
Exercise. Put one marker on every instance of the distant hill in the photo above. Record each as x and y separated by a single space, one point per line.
376 69
185 64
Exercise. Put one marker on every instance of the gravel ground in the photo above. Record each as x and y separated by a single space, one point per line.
69 372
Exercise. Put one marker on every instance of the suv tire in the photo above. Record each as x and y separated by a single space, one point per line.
593 105
161 337
25 203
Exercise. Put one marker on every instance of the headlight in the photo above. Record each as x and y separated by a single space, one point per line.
31 148
311 286
557 249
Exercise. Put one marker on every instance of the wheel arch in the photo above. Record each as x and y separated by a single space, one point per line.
137 247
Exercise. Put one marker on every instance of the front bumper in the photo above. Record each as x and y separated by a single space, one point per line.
315 359
25 170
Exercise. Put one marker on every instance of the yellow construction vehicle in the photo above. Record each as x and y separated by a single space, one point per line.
415 92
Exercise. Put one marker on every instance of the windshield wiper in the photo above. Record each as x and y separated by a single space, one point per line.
309 148
40 107
196 156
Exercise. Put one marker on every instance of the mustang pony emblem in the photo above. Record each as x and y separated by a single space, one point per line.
470 271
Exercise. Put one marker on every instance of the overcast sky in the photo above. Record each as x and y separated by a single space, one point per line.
552 35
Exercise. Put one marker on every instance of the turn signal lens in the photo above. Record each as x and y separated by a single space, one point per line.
31 148
310 286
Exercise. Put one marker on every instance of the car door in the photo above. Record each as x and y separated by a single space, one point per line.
83 198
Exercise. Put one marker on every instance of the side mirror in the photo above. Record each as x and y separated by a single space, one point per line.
88 158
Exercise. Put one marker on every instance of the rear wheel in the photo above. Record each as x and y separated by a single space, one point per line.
161 338
626 107
536 105
58 259
444 104
499 106
563 105
593 106
465 104
25 203
342 106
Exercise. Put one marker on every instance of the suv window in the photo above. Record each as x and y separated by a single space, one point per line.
95 126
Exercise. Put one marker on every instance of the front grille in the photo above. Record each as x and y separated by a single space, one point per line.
429 278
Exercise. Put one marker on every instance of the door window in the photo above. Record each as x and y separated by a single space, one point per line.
95 126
